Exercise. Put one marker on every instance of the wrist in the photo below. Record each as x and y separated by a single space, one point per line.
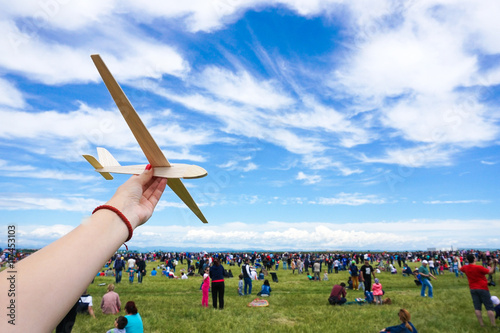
120 215
126 211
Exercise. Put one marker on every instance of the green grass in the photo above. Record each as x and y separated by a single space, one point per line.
296 305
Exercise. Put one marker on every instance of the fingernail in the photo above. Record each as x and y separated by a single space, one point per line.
148 167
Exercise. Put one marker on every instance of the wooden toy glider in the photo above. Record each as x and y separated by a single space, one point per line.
107 164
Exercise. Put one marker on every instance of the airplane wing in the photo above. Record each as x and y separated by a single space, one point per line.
148 145
178 187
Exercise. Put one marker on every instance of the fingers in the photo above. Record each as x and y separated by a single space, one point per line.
146 175
155 190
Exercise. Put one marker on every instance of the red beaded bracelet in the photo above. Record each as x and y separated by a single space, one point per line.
120 214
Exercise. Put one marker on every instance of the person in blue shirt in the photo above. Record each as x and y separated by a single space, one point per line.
266 289
405 327
134 320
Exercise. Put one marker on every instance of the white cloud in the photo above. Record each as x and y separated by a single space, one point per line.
422 156
52 62
25 202
239 164
447 202
243 88
10 96
351 199
432 119
308 179
79 129
49 232
304 236
246 121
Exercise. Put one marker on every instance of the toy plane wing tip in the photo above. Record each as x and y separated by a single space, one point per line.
194 171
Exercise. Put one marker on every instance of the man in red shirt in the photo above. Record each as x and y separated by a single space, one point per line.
338 294
478 285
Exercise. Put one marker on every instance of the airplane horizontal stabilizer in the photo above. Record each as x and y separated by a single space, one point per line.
95 163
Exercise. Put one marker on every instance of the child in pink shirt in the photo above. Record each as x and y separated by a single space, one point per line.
377 292
205 288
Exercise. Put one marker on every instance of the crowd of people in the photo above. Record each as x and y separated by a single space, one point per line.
362 268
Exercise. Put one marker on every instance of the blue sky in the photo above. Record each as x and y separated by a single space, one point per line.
322 124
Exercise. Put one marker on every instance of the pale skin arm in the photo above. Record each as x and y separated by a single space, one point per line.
91 312
43 299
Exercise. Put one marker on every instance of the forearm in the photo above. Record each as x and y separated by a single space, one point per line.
96 239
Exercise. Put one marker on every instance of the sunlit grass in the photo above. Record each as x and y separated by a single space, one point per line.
296 305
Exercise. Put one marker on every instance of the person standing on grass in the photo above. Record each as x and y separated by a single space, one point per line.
247 276
131 269
316 269
217 275
205 288
425 276
478 284
141 269
431 266
366 271
118 266
293 266
353 270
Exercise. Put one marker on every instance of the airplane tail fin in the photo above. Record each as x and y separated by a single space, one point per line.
105 159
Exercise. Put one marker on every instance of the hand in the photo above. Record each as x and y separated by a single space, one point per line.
138 196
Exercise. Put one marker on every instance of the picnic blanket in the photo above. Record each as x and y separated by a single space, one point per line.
258 303
358 301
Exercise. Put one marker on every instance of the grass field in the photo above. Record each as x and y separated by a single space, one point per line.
296 305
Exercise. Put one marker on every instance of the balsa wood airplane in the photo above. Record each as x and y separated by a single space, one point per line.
107 164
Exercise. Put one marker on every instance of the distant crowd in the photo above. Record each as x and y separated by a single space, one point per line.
251 266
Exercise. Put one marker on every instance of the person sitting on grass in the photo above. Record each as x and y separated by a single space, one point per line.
110 302
109 272
85 305
120 324
240 285
338 294
325 276
153 272
405 326
417 280
350 283
266 289
134 320
496 304
310 277
377 292
407 270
